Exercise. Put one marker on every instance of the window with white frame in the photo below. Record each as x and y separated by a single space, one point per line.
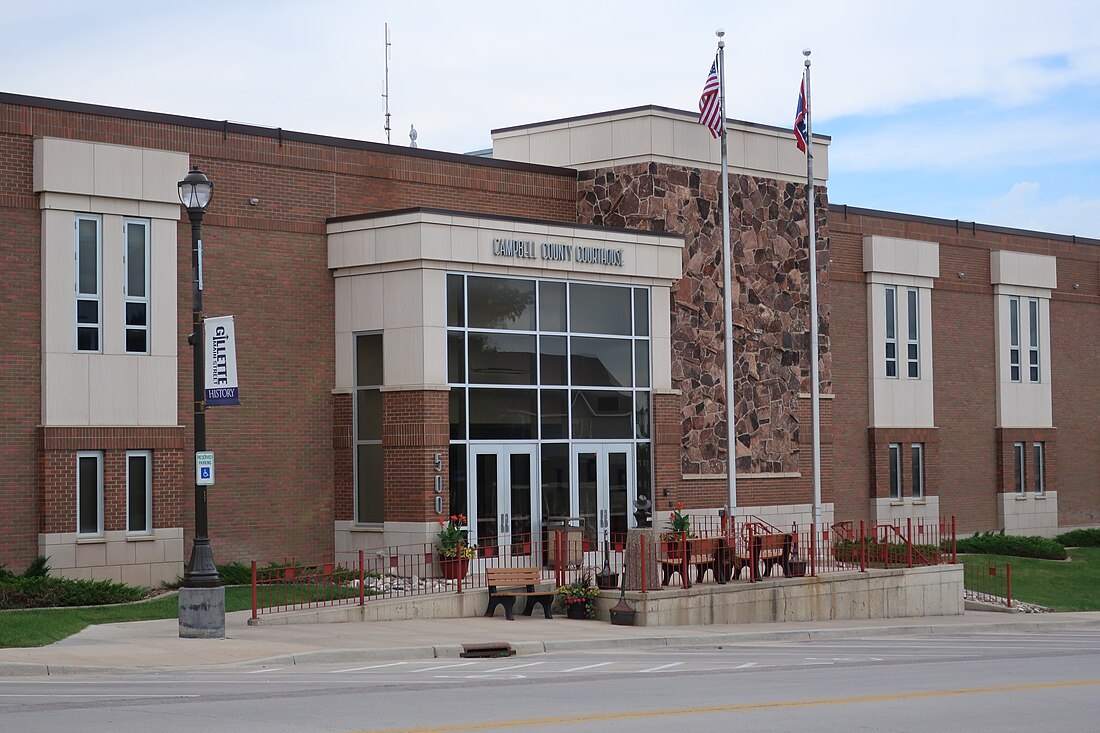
1019 462
89 282
917 466
369 494
895 470
913 342
1038 467
89 493
139 492
1014 338
1033 339
136 285
891 331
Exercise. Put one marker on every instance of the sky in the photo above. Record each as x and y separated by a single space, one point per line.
971 110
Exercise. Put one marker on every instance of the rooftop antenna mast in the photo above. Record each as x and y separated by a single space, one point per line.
386 87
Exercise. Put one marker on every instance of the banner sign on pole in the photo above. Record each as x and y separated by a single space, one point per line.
221 362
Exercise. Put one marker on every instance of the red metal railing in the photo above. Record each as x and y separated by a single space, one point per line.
989 584
717 550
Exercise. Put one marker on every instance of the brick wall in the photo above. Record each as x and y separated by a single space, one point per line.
415 427
278 469
966 466
59 447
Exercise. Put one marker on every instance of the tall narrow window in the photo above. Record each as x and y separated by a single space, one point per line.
917 461
913 343
89 291
891 331
139 492
1014 339
1018 466
89 493
368 429
895 470
1038 468
1033 339
136 232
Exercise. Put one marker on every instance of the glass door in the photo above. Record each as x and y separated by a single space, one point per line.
502 499
603 490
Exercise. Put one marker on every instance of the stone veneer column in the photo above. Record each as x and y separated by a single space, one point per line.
769 235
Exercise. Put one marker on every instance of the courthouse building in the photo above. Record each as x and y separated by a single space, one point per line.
520 337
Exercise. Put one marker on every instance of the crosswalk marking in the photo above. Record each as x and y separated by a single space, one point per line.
518 666
587 666
663 666
446 666
360 669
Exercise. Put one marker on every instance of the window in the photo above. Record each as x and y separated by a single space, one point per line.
1019 459
1014 339
89 493
136 285
913 344
895 470
891 331
1038 468
139 492
917 462
1033 339
89 285
368 429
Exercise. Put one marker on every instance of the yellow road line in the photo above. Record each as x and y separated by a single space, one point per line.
743 707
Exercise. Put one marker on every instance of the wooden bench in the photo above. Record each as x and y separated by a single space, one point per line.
504 587
700 555
767 550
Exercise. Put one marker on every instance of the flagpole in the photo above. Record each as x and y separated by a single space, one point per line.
815 381
727 273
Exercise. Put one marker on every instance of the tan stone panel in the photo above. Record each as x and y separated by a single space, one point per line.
113 401
157 390
92 554
58 282
66 166
117 171
65 389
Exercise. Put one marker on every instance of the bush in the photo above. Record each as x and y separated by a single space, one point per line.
39 568
894 552
1079 538
998 543
42 592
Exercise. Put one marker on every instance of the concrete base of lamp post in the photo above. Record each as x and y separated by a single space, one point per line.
202 613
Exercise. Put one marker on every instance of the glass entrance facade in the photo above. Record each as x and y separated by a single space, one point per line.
560 365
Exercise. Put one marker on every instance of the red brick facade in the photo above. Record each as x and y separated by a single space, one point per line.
285 456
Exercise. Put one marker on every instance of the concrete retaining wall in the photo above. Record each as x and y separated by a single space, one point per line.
901 593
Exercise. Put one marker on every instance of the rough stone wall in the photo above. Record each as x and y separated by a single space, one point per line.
768 239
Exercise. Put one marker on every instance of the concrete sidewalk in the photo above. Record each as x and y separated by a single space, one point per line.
155 645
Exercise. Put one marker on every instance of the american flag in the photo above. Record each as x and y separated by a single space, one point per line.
710 112
800 118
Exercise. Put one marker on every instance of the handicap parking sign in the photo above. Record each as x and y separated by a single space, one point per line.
204 468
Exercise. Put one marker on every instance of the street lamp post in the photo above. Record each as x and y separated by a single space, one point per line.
202 597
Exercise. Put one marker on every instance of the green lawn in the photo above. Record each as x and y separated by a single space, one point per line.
1064 585
45 626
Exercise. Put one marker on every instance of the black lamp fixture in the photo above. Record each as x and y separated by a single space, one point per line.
195 191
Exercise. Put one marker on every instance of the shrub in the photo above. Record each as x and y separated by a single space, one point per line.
998 543
39 568
42 591
1079 538
894 552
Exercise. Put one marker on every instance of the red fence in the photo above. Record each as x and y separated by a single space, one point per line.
746 549
989 584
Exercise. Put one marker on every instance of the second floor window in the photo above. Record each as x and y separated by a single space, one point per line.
913 343
89 283
1033 339
891 331
136 234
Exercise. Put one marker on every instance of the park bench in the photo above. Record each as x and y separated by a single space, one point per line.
765 552
700 552
507 584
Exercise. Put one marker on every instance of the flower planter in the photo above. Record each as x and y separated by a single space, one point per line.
577 610
453 568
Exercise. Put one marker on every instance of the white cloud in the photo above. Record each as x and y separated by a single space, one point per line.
1024 206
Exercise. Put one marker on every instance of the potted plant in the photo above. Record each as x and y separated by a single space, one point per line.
678 531
579 597
454 551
